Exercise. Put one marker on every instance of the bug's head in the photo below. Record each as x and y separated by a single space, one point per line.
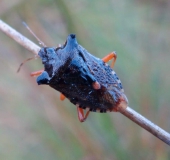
54 58
71 42
69 47
47 54
51 54
49 59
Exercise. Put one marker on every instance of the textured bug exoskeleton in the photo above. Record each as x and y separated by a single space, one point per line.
87 81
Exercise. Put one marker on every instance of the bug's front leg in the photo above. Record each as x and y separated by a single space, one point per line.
109 57
43 78
80 112
37 73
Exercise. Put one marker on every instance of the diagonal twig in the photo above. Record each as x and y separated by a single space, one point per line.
128 112
25 42
146 124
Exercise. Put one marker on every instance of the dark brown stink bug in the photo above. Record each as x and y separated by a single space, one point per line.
87 81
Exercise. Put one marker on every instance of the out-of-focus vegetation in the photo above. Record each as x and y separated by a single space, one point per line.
35 124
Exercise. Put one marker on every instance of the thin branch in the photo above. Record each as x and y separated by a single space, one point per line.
128 112
23 41
146 124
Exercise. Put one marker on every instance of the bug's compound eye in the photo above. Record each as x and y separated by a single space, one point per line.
45 50
49 51
42 52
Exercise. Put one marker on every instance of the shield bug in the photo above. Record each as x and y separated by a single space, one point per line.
87 81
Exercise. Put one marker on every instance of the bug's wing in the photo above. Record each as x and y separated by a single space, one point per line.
101 71
108 79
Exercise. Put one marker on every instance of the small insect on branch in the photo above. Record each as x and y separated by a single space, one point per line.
128 112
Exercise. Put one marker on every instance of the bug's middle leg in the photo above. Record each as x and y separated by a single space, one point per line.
109 57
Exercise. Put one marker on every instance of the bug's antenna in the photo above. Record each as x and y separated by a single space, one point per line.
40 42
25 62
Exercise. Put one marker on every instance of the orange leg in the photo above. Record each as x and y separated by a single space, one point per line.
109 57
36 73
81 116
62 97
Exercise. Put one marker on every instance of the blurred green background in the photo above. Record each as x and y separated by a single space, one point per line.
35 124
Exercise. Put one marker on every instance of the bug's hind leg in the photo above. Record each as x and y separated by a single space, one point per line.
109 57
81 116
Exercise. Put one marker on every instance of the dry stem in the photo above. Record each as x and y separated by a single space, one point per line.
128 112
25 42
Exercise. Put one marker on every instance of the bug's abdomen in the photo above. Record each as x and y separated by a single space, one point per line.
77 87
